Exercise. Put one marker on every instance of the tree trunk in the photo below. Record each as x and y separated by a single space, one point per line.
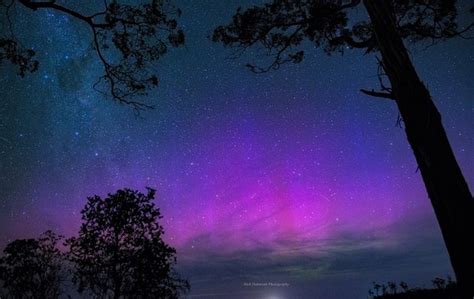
447 189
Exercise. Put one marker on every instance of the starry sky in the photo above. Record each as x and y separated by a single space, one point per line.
291 178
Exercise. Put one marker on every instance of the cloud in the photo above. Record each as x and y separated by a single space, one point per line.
353 260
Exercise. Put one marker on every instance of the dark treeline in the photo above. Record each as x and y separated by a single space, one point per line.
442 289
118 253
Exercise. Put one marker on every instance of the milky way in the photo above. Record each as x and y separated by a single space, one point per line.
293 171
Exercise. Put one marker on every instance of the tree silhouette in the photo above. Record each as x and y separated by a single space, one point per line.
403 286
392 286
127 38
119 252
442 289
31 268
280 27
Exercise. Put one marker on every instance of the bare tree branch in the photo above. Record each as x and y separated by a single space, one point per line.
372 93
128 39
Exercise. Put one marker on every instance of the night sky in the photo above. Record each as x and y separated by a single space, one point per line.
290 177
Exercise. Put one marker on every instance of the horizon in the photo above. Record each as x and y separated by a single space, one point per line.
289 177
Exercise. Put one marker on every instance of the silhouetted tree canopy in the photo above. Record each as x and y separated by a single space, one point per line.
31 268
119 252
280 26
127 38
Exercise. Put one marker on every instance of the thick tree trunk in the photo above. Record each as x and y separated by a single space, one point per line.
447 189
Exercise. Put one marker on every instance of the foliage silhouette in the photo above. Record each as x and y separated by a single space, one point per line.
127 38
32 268
11 51
279 27
443 288
119 252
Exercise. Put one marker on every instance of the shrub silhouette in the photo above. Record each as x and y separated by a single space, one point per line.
443 288
120 252
31 268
